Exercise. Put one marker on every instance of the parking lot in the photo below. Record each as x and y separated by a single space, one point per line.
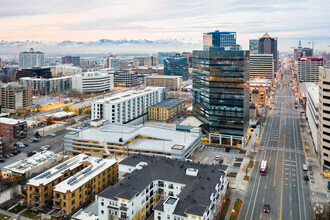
232 158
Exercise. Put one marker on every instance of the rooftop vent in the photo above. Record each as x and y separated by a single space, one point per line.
191 172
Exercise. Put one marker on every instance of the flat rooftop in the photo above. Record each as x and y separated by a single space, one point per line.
25 165
61 114
164 77
155 138
9 121
169 103
123 96
191 121
313 91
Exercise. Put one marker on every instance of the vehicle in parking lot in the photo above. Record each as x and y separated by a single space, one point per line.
217 157
304 167
11 155
7 156
52 134
21 145
34 139
29 154
18 144
2 161
227 149
306 177
15 153
220 161
44 148
266 208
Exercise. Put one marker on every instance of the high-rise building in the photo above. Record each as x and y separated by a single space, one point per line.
14 97
176 66
221 92
326 56
31 59
69 59
261 66
219 39
268 45
112 62
302 52
253 46
308 69
163 55
324 120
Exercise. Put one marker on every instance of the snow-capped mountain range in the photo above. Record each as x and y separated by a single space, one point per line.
100 46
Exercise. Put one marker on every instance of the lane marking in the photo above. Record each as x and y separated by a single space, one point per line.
295 146
278 142
282 182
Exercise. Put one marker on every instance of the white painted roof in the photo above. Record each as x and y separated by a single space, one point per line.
9 121
313 91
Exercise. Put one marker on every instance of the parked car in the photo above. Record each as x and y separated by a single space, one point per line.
217 157
7 156
306 177
26 144
44 148
304 167
15 153
21 145
11 155
17 144
34 139
220 161
29 154
2 160
52 134
227 149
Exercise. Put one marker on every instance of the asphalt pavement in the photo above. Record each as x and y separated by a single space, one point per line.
284 187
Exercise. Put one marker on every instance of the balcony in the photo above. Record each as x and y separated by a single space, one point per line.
36 201
57 199
36 194
56 207
56 214
123 208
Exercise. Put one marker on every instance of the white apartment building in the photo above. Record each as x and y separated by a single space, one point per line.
324 120
172 189
127 106
31 59
308 69
312 110
261 66
92 82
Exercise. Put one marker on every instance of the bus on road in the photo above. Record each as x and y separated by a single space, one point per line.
263 167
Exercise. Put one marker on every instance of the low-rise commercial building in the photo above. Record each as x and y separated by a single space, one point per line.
125 139
127 106
14 97
92 82
170 189
71 185
12 128
30 165
169 82
167 110
149 70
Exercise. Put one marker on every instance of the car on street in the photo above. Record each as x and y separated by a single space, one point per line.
2 160
44 148
304 167
221 161
266 208
34 139
52 134
29 154
11 155
217 157
18 144
306 177
21 145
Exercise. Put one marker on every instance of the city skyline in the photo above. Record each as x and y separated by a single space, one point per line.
81 21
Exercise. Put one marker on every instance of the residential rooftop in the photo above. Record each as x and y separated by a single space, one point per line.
169 103
10 121
194 197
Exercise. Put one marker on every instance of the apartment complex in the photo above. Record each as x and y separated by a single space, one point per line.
31 59
71 185
268 45
14 97
12 128
261 66
167 110
127 106
92 82
176 66
165 187
75 61
324 120
169 82
35 164
41 86
220 93
128 139
308 69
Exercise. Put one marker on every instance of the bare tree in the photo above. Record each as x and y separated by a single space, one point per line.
246 169
250 155
14 193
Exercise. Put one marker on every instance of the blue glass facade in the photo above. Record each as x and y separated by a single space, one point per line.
219 39
176 66
220 90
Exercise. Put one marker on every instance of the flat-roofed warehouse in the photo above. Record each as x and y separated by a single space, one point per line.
123 139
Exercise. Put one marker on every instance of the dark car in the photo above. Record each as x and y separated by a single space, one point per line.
220 161
306 177
7 156
29 154
2 161
15 153
266 208
227 149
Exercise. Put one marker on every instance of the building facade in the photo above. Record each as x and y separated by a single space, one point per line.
128 79
253 46
149 70
71 185
113 63
14 97
302 52
176 66
31 59
166 188
71 60
34 72
261 66
12 128
127 106
219 39
40 86
268 45
65 70
167 110
308 69
220 91
312 111
163 55
141 139
169 82
324 120
92 82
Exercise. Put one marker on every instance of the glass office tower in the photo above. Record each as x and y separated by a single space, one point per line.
219 39
220 90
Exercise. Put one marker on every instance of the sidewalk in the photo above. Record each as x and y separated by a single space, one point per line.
318 184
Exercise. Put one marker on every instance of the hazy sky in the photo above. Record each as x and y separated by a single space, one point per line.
87 20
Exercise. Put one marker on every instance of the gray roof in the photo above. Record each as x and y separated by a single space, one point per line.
169 103
193 199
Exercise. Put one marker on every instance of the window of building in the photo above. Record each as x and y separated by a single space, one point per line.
72 202
170 186
64 204
102 212
326 155
170 193
46 195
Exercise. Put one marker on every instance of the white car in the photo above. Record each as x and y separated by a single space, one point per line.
217 157
304 167
53 134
